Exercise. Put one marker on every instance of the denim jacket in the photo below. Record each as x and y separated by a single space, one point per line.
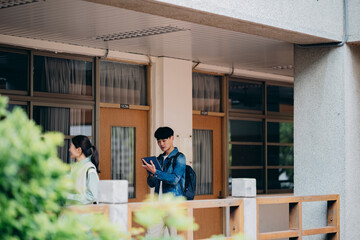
172 174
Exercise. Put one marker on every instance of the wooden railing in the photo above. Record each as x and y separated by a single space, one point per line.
295 217
85 209
234 209
234 213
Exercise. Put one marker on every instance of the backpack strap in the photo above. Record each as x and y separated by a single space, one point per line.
174 158
174 162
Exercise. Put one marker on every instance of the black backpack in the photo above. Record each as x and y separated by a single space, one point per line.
190 180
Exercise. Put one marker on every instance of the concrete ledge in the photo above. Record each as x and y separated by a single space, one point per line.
113 191
244 187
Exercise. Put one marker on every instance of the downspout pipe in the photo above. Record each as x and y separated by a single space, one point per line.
333 44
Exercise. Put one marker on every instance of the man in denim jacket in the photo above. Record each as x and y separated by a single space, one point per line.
173 173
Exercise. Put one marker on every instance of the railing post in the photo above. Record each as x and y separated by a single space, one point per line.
333 210
295 218
228 222
190 233
129 218
236 219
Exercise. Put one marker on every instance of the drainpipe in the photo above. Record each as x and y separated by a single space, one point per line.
333 44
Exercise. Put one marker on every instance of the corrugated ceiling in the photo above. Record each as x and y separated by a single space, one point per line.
79 23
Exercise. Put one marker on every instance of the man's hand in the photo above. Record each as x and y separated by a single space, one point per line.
150 167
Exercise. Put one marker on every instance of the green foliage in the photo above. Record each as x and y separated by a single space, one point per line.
86 227
33 186
170 211
236 237
167 210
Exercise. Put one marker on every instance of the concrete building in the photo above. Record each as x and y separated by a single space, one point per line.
242 78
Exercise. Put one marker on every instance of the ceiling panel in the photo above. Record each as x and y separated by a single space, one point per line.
79 22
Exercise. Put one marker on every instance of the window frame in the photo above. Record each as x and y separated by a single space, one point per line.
32 99
18 92
255 115
63 56
246 111
127 106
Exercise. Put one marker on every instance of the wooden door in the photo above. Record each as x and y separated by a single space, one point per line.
136 121
210 220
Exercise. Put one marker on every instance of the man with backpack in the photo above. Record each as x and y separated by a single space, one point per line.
171 177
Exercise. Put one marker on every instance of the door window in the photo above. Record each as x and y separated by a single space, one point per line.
123 156
203 161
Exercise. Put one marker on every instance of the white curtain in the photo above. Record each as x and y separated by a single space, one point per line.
65 120
63 152
80 122
55 119
122 83
123 156
206 92
202 161
64 76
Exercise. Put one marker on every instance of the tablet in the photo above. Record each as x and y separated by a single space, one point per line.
155 162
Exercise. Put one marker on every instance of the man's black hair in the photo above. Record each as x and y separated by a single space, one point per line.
163 133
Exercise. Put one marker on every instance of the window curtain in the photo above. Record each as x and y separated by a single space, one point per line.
68 121
79 124
206 92
202 161
122 83
55 119
123 156
63 152
65 76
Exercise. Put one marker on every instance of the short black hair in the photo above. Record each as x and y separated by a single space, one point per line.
163 133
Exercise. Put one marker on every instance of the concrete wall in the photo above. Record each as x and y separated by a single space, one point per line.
172 102
354 19
314 17
326 132
319 129
352 142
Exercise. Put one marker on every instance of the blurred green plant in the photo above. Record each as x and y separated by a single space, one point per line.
166 210
33 186
170 211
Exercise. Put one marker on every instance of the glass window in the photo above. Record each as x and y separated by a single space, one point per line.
123 156
280 99
280 155
63 152
69 121
281 178
203 161
261 149
245 155
245 131
13 71
206 92
248 173
122 83
66 76
246 96
280 132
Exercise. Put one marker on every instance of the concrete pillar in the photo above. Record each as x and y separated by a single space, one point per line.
171 95
114 193
245 188
326 132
